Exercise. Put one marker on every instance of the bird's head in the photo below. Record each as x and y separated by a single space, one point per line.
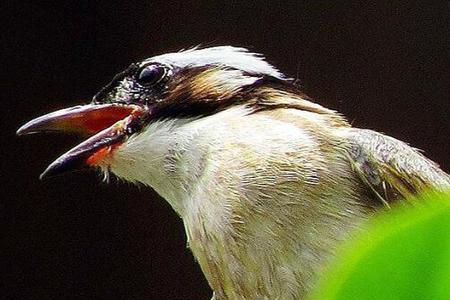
182 85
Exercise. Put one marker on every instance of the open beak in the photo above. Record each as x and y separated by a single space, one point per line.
107 124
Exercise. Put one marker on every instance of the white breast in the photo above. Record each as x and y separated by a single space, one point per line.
261 205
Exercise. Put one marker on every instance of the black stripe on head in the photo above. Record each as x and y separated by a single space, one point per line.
202 91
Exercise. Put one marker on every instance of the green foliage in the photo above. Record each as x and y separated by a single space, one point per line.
401 254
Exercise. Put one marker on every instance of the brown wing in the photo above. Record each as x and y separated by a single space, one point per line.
389 167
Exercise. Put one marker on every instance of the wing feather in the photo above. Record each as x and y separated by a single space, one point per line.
389 167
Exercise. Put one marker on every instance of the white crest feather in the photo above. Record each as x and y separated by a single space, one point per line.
234 57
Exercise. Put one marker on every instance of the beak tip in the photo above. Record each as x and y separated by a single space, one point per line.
55 168
22 130
43 176
47 173
28 128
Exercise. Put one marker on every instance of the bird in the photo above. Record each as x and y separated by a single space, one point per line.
268 182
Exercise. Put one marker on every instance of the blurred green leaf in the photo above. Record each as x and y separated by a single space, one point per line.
402 254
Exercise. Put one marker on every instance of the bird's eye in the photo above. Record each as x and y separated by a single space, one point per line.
152 74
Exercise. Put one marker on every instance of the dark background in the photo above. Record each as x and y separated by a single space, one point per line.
385 66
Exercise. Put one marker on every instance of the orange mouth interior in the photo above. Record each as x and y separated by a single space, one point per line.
100 154
115 121
106 125
91 122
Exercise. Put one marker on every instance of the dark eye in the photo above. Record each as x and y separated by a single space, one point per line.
152 74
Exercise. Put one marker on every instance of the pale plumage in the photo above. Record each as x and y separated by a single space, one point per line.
267 182
228 56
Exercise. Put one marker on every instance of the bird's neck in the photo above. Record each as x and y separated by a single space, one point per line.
229 179
169 156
